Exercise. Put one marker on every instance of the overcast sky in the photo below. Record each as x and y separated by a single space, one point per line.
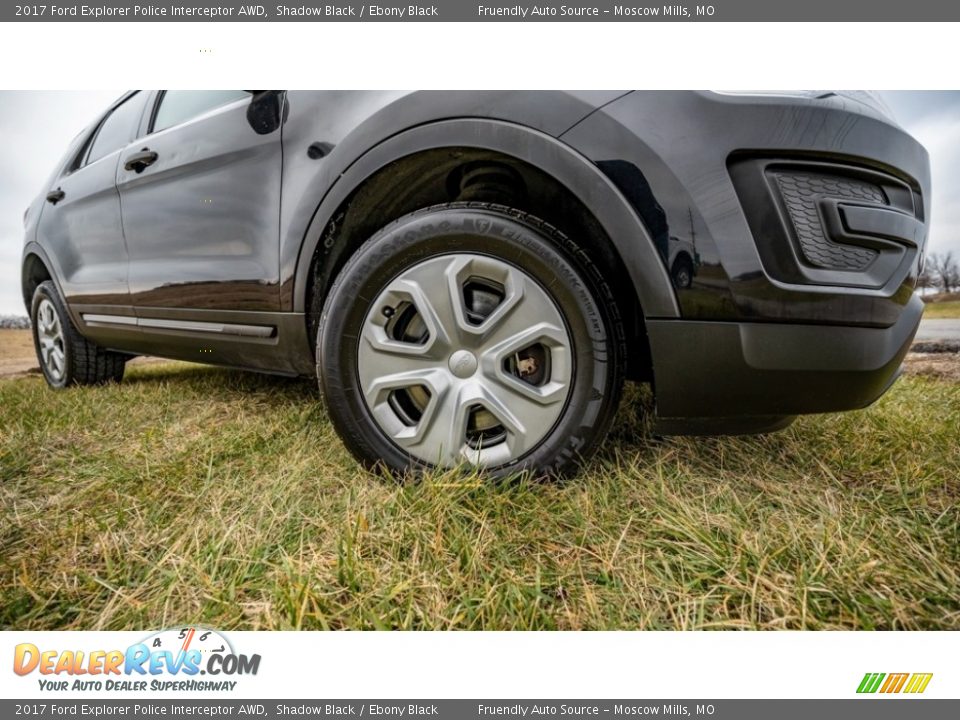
36 128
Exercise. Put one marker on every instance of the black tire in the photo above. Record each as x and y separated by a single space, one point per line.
682 273
544 254
84 362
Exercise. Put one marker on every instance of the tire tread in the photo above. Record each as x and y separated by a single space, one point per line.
87 362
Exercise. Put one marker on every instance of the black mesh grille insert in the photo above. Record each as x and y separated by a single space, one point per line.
801 191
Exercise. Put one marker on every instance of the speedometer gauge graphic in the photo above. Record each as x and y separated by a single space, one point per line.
180 640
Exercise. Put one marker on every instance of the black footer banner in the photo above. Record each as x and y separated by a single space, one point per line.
874 708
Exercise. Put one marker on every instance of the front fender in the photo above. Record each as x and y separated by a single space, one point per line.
580 176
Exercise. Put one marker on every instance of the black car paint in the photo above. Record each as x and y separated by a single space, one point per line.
201 223
223 228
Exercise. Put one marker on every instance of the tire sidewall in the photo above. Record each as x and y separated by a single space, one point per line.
422 236
46 290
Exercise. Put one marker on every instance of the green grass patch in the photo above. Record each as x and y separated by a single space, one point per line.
199 495
946 309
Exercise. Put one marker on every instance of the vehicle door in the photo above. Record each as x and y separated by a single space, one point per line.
80 225
200 191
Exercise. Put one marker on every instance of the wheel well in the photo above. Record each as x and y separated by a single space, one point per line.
448 174
34 272
682 257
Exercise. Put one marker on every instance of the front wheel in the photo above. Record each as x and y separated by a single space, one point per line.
470 334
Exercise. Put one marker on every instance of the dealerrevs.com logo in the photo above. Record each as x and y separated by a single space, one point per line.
181 659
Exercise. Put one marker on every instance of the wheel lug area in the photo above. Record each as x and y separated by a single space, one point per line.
463 364
454 354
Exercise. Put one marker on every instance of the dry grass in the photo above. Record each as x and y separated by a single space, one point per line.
948 309
198 495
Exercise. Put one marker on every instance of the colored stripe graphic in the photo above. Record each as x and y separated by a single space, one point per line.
918 683
894 683
870 682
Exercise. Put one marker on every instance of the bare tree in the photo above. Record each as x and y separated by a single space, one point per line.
945 270
926 280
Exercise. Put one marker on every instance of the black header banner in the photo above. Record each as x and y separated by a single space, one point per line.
485 11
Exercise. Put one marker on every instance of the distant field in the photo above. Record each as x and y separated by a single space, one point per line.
197 495
16 352
944 309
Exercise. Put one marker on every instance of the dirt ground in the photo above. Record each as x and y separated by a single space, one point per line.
945 366
16 353
17 359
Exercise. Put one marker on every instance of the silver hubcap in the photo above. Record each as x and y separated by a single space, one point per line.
50 337
465 358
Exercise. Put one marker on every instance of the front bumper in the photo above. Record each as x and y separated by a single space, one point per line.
810 218
802 210
741 377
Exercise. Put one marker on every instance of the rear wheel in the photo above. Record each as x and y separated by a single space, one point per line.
65 356
470 334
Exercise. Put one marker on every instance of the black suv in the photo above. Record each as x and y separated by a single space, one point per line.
472 275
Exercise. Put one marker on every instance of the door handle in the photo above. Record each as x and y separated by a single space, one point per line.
139 161
55 196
